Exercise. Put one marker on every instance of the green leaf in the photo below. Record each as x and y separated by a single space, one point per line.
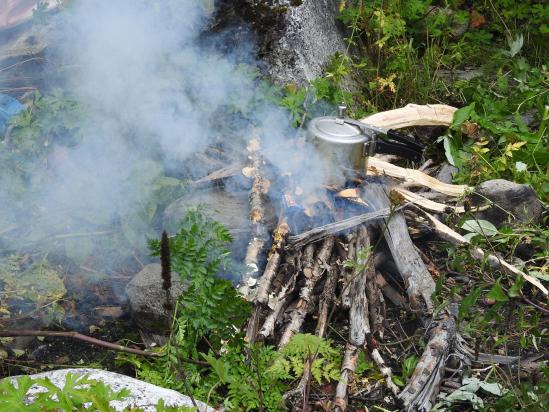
482 227
451 151
497 293
468 302
515 290
462 114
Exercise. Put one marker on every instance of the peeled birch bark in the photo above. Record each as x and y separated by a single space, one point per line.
260 187
378 167
413 115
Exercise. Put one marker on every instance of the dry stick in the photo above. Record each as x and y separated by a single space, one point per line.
348 273
88 339
279 240
324 305
433 206
452 236
321 232
260 186
327 298
376 303
424 383
417 279
359 325
219 174
378 167
312 276
391 293
262 297
281 301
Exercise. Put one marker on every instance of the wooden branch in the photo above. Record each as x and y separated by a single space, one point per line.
359 325
477 253
90 340
311 279
273 262
376 303
260 186
348 367
413 115
423 387
279 303
223 173
390 293
262 296
327 297
378 167
348 273
417 279
302 389
431 205
321 232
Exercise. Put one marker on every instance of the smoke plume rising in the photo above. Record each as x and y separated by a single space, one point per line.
153 92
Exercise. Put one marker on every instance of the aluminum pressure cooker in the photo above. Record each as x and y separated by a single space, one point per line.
347 143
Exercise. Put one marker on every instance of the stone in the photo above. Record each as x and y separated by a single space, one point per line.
297 38
147 299
446 173
512 202
142 395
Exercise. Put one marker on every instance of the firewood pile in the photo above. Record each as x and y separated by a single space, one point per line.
355 261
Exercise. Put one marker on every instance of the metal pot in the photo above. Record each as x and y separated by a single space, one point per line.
347 143
341 141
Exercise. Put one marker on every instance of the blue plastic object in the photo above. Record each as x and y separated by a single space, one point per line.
9 107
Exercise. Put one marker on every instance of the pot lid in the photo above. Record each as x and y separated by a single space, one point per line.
333 129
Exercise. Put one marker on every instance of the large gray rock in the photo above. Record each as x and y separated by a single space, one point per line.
147 299
142 395
297 38
310 38
512 202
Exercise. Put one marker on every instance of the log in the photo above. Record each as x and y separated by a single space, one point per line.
376 303
422 389
433 206
477 253
390 293
223 173
377 167
321 232
277 306
260 187
279 236
360 333
348 273
359 325
327 298
413 115
417 279
311 278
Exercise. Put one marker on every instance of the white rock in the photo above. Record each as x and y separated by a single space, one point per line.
142 395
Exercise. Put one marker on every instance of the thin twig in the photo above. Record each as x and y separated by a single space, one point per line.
88 339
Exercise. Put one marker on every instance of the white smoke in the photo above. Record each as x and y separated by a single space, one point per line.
151 91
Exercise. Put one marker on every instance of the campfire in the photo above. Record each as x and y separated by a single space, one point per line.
339 251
